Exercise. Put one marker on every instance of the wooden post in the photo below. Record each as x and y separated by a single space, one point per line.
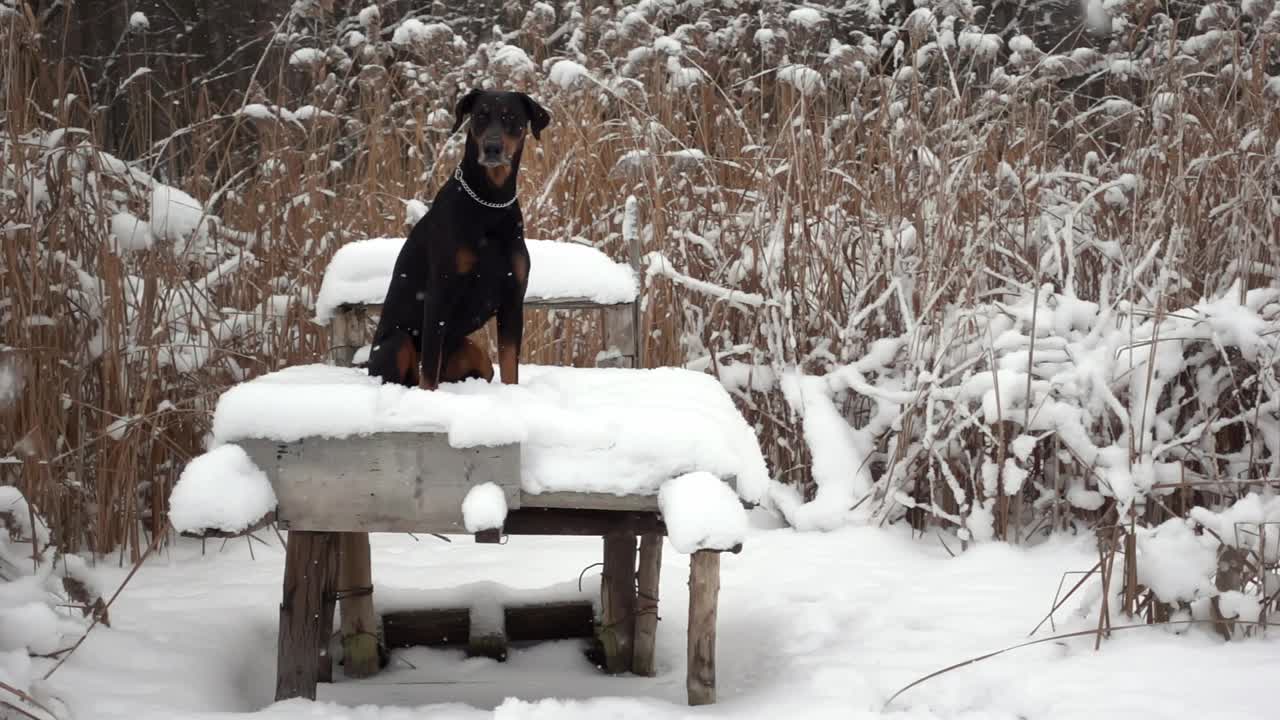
618 601
310 568
637 319
349 331
328 604
704 589
360 656
620 335
487 631
647 605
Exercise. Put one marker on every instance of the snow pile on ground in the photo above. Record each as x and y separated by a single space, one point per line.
484 508
360 272
220 490
44 600
602 430
1175 563
702 513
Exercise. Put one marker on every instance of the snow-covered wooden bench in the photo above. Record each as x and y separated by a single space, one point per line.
610 451
562 276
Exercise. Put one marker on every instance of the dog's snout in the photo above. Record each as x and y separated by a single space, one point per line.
493 147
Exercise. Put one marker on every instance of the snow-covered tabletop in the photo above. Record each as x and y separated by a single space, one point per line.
598 430
360 272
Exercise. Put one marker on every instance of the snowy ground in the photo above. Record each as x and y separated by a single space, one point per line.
811 625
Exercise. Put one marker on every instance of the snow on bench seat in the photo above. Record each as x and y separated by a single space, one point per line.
360 272
584 430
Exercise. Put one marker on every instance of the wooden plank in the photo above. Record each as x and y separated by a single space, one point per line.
647 605
618 602
564 303
384 482
567 521
524 623
589 501
704 591
360 654
413 628
550 621
570 303
311 564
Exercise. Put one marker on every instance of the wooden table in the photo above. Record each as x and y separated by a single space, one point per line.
332 492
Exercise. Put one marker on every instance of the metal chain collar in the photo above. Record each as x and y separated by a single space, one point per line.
457 174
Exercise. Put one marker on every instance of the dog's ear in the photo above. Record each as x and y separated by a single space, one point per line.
539 118
464 107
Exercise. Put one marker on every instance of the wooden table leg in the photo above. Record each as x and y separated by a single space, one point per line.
647 604
360 656
704 589
310 570
618 601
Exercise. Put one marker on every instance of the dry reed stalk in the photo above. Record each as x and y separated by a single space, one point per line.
801 200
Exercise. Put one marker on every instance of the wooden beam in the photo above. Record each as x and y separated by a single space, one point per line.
704 590
310 568
523 623
647 605
258 525
550 621
618 601
567 521
530 303
381 482
589 501
412 628
360 654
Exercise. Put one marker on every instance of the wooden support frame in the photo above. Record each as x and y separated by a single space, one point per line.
306 614
704 592
647 577
537 622
620 337
618 602
362 652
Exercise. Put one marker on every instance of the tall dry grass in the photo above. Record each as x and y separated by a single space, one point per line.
819 220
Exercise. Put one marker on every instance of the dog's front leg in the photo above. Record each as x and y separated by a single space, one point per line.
511 319
437 311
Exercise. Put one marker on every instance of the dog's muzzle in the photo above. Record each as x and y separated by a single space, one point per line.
492 152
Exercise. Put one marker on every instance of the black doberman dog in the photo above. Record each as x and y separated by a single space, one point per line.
465 261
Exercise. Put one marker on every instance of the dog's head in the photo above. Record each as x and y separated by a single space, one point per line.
499 121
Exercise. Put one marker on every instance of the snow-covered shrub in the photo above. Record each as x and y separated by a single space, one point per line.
46 601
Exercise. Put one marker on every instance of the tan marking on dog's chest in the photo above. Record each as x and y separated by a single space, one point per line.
520 269
464 260
498 175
